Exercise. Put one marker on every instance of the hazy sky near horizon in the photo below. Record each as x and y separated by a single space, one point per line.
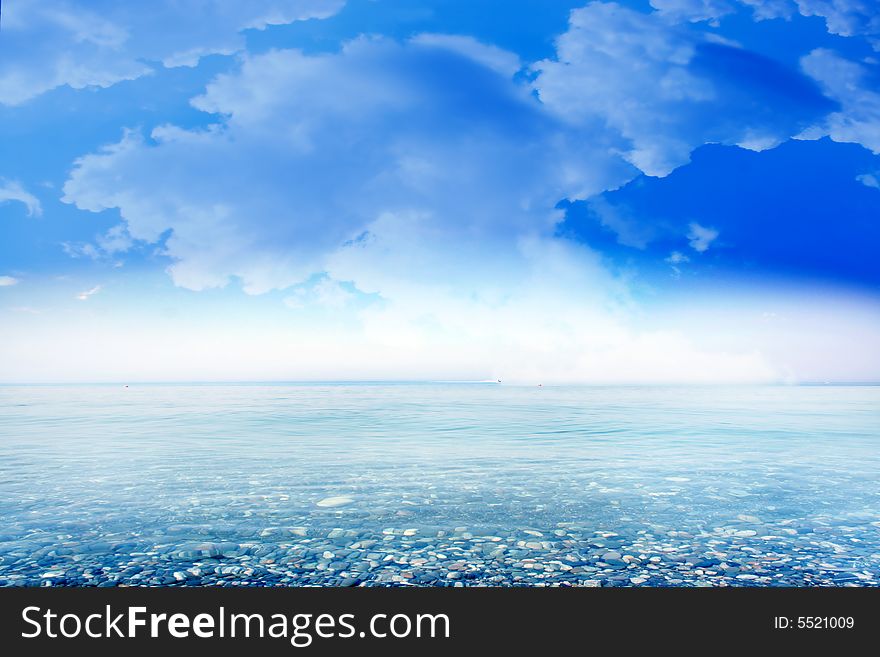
679 191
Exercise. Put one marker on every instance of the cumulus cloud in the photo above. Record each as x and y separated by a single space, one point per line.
11 190
115 240
324 293
664 89
694 10
81 250
502 61
424 174
104 248
297 167
869 179
630 231
50 43
700 237
769 9
849 83
846 18
309 150
713 10
552 313
8 281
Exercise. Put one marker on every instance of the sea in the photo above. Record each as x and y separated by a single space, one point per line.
439 484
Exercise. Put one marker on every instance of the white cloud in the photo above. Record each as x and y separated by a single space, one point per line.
7 281
626 69
325 293
557 317
84 296
501 61
694 10
846 18
11 190
630 231
869 180
662 88
115 240
551 314
440 132
50 43
713 10
700 237
848 83
81 250
296 168
434 191
675 259
769 9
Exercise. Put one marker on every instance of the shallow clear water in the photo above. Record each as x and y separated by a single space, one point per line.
439 484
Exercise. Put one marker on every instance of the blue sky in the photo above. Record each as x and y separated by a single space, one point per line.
634 191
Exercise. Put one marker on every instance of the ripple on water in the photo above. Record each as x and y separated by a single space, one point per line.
439 485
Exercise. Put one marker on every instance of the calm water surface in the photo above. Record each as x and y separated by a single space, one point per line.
439 484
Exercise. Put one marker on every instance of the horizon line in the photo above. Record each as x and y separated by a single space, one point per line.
516 383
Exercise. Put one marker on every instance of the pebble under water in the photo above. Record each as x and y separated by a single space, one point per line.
439 485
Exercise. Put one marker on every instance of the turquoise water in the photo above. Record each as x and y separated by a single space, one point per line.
453 484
